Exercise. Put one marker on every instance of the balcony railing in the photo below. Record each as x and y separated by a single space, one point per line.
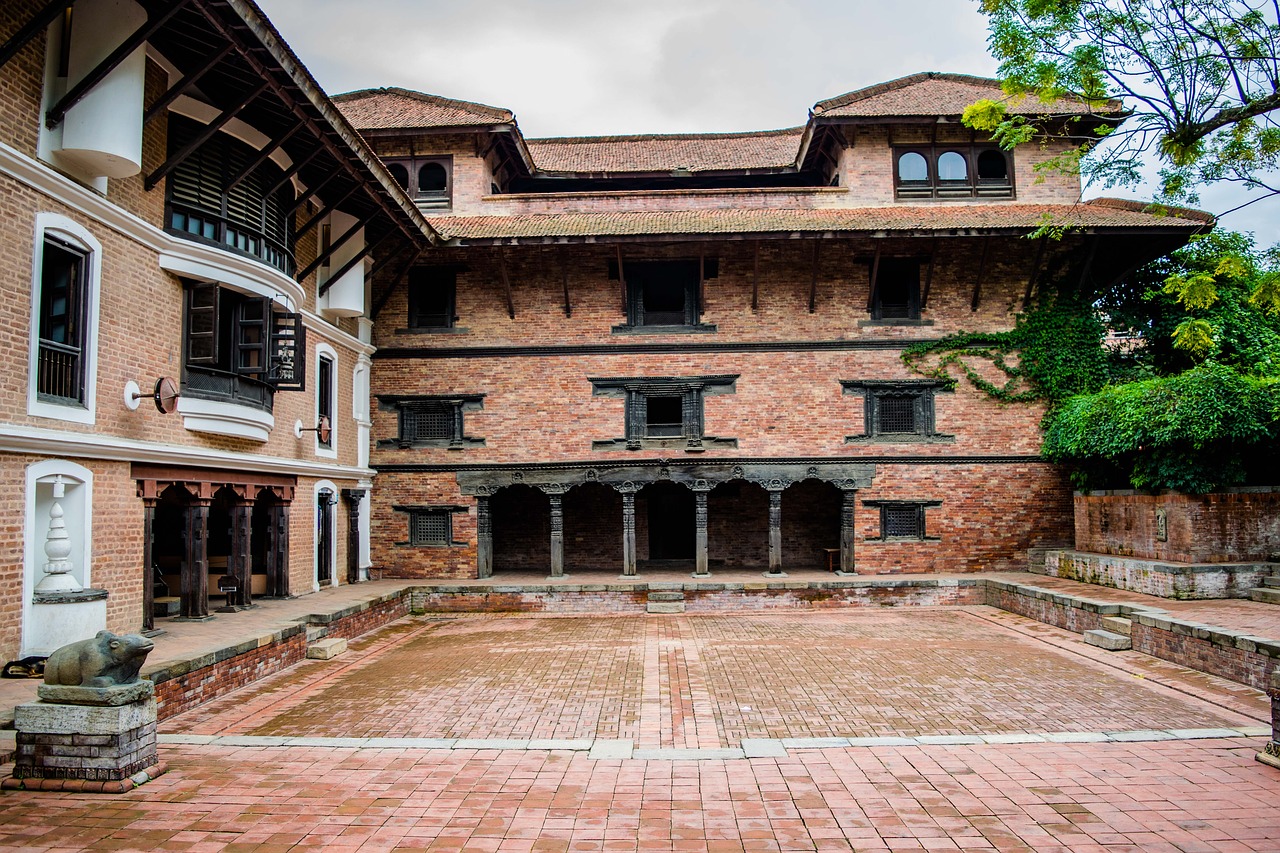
59 375
205 383
214 230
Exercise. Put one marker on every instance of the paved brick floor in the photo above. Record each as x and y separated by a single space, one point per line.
709 681
700 682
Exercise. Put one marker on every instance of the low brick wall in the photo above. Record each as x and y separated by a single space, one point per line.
533 599
1234 526
1232 655
183 685
1153 577
906 593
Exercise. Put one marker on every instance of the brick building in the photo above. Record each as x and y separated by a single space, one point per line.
676 352
183 212
226 310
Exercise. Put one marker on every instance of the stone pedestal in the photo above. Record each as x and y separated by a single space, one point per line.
1271 752
105 742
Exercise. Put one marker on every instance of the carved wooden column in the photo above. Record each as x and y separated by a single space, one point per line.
847 502
775 534
484 538
278 551
148 563
354 497
194 602
628 529
556 499
239 562
700 491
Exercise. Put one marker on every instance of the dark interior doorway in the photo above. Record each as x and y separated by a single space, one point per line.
671 521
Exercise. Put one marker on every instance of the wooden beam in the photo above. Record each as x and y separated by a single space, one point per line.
1035 273
381 302
755 276
162 103
368 249
813 280
323 257
99 73
622 281
506 283
928 274
201 138
295 169
564 272
325 211
31 29
702 286
264 155
875 277
301 201
977 282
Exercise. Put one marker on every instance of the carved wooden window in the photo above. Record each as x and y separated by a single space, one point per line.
665 294
902 520
946 171
428 181
662 410
431 421
432 291
897 410
430 527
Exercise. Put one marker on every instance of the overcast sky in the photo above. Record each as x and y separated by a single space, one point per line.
599 67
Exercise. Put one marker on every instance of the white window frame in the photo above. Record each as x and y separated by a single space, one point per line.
326 351
68 231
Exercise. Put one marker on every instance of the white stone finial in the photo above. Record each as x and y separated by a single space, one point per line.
57 547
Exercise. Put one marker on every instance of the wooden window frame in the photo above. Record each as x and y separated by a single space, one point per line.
935 189
445 278
917 508
921 392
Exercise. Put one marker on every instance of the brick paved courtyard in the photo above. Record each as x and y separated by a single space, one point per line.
972 729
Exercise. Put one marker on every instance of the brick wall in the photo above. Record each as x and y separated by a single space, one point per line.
1226 527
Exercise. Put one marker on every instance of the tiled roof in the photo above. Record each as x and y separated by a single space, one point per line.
935 94
1098 213
384 109
701 152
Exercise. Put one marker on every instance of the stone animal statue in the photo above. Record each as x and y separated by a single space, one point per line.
107 660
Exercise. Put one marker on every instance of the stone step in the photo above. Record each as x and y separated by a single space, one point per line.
1117 625
664 607
316 632
666 596
1108 640
327 649
166 605
1265 594
1273 582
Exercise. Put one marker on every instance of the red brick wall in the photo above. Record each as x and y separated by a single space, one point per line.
184 692
1238 665
1234 526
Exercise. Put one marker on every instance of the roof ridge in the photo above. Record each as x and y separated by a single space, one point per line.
425 97
899 83
657 137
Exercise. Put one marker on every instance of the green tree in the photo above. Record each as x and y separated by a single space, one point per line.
1201 78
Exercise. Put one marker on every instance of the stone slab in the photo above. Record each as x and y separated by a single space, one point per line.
611 749
882 741
693 754
48 718
490 743
665 607
327 649
1117 625
1108 640
949 740
815 742
124 694
763 748
1140 735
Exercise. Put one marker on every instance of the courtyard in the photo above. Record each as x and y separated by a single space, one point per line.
869 729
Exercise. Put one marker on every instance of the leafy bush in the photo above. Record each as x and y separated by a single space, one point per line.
1201 430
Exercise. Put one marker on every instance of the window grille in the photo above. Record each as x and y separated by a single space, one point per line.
902 521
432 527
427 421
897 414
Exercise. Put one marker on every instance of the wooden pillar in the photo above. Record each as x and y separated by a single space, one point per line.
484 538
278 551
240 561
148 564
195 565
700 533
557 535
354 498
629 533
775 534
848 500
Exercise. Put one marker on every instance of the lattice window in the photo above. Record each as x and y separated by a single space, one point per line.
897 414
427 421
902 521
430 527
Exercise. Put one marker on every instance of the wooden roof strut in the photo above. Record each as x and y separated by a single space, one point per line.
162 103
755 276
506 283
32 28
977 282
928 274
264 155
202 137
875 279
368 249
323 257
813 281
1035 273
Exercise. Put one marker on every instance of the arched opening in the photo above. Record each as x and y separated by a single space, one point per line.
433 180
738 525
665 535
912 167
810 524
521 519
592 528
993 167
952 166
264 545
400 173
